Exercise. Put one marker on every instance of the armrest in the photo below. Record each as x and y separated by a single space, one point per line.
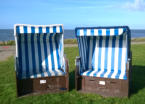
129 62
77 61
16 64
77 64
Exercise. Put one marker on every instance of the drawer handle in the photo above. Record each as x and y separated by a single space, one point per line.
112 82
91 80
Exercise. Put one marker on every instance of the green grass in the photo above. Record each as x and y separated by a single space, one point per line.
138 40
6 43
8 86
70 41
66 41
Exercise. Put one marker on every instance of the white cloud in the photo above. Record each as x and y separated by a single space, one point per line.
138 5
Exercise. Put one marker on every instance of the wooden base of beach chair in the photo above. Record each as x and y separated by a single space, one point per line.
44 85
104 86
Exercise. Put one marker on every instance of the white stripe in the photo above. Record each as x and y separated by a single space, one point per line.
51 29
109 58
44 29
23 57
85 73
81 32
55 57
111 31
116 57
103 32
31 76
120 31
102 57
21 29
88 32
61 50
58 29
96 57
96 32
123 61
36 30
29 29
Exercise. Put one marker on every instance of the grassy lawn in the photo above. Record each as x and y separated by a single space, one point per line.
8 86
66 41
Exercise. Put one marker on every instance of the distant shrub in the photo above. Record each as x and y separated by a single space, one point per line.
5 43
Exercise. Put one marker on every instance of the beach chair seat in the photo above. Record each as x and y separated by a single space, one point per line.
46 74
105 56
40 59
104 74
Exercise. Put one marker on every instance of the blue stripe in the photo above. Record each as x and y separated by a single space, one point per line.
39 55
92 32
84 58
116 31
19 55
112 56
54 29
93 52
107 32
33 52
88 52
26 52
88 73
47 29
33 30
57 53
78 32
82 51
51 53
106 56
17 29
119 56
40 30
85 32
100 32
45 54
61 29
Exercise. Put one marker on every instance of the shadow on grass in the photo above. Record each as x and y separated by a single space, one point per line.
72 80
138 79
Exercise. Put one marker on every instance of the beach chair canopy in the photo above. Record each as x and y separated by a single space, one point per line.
39 51
103 51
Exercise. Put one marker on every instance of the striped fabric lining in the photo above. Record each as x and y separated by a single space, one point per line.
22 29
104 56
40 53
100 32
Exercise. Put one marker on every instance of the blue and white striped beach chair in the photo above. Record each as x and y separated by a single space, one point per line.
40 63
105 60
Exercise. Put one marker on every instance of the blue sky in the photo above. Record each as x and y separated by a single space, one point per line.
73 13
